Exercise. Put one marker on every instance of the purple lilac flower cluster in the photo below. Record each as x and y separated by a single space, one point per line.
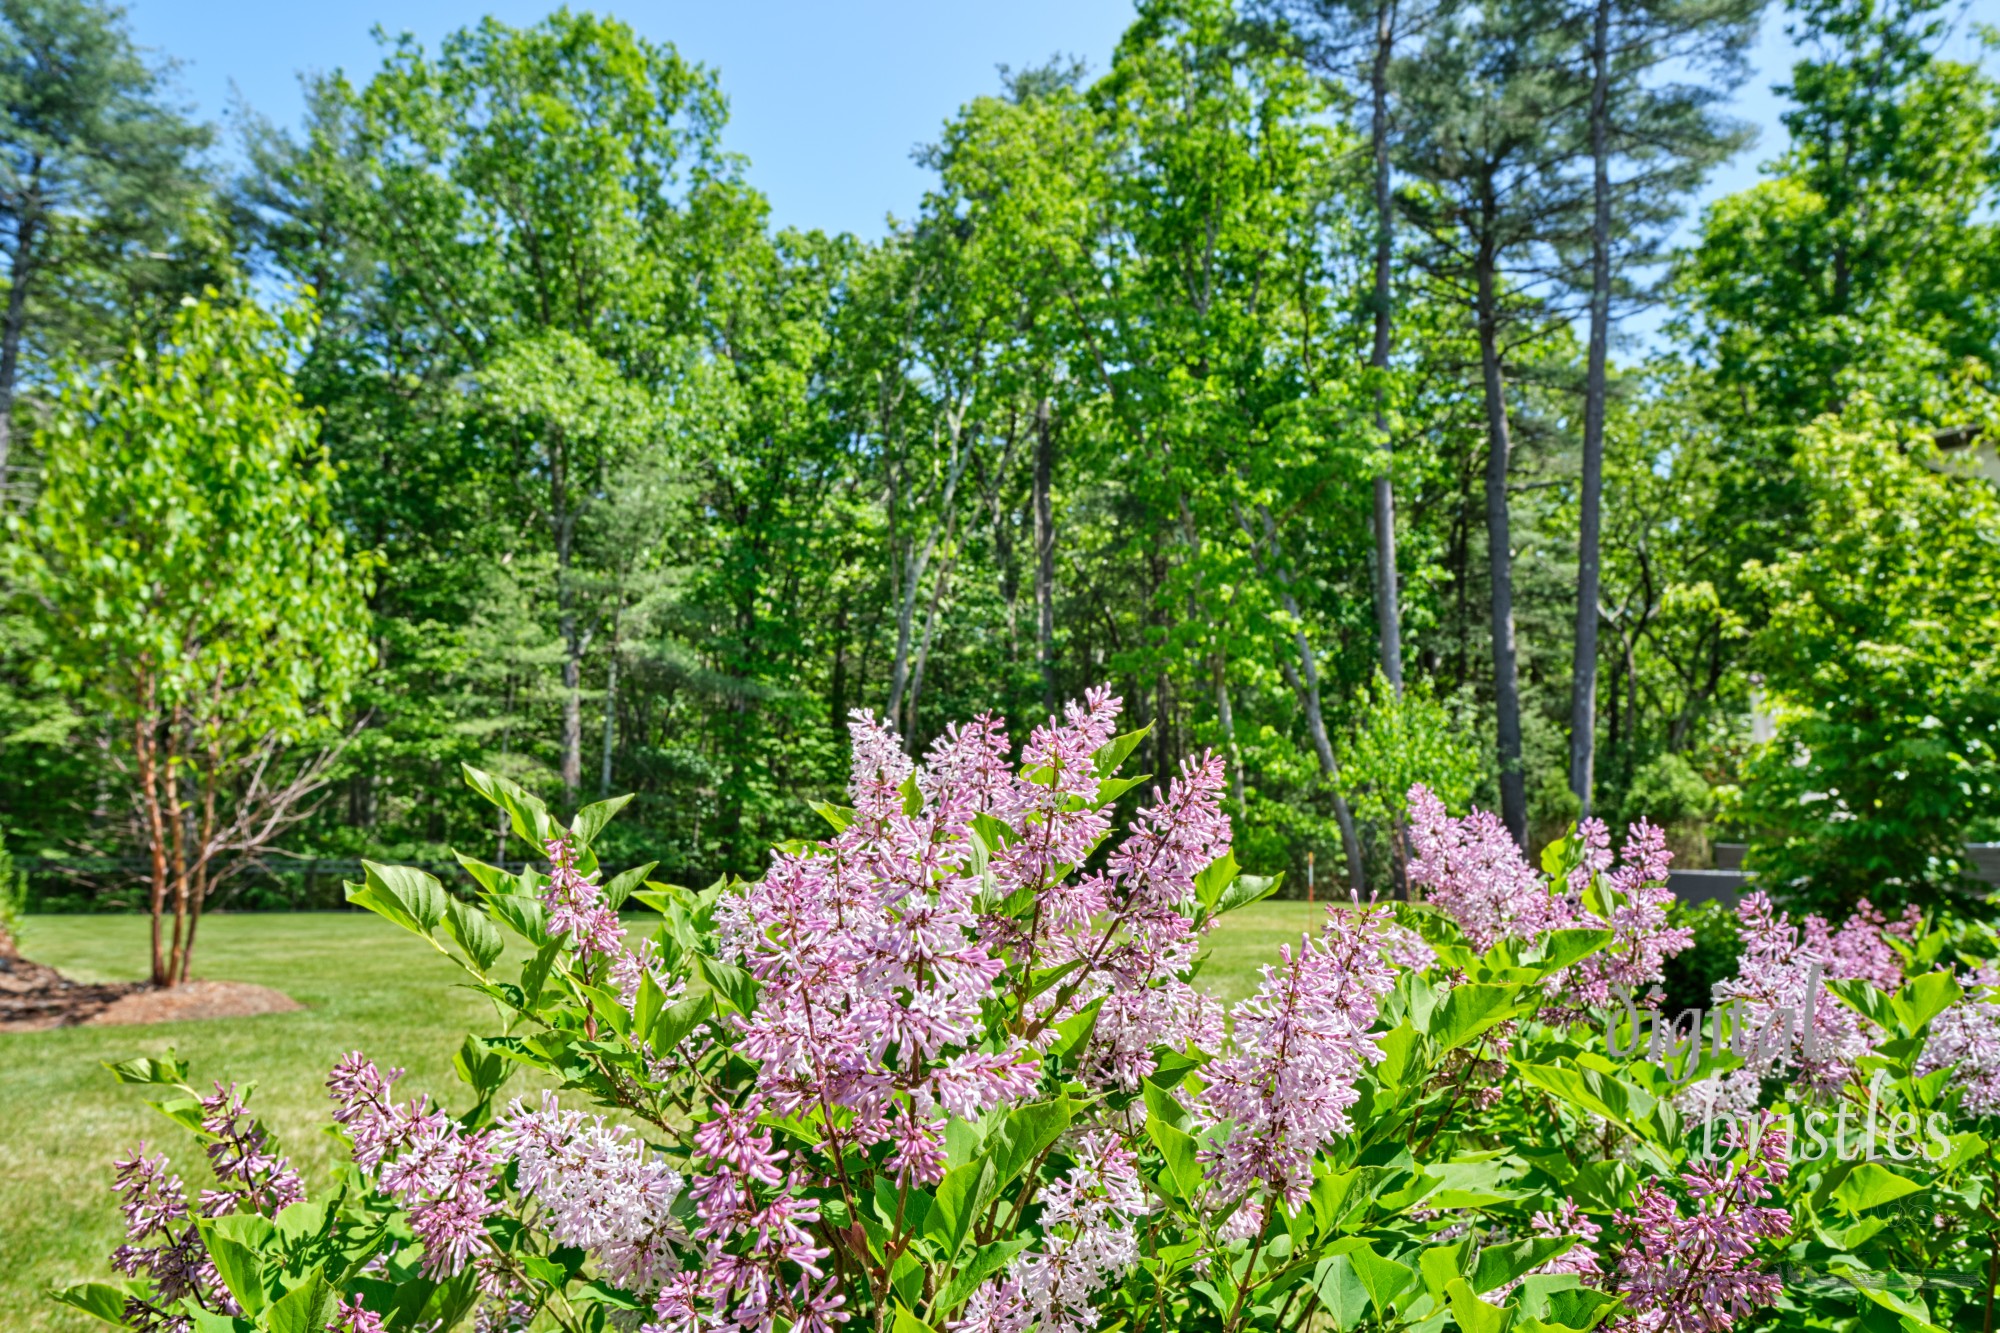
1473 870
577 907
1965 1038
751 1223
1301 1043
156 1210
437 1170
239 1153
1697 1271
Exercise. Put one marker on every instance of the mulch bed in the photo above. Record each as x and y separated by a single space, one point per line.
34 998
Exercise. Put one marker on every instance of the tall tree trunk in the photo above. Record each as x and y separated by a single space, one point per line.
1388 610
1500 562
1045 555
939 590
1583 674
1304 680
1226 714
20 275
610 713
917 562
564 523
146 742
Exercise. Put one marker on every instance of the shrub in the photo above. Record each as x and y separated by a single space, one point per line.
946 1070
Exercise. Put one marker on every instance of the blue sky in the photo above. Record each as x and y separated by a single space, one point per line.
826 99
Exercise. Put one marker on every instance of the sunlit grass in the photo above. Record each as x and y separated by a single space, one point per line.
365 985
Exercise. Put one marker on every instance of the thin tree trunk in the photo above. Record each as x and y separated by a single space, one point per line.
1583 674
177 824
913 573
21 273
1500 564
610 714
1045 556
563 522
1227 716
1388 610
145 741
939 590
1307 689
207 842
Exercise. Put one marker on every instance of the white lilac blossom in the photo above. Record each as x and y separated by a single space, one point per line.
1087 1241
603 1191
1301 1044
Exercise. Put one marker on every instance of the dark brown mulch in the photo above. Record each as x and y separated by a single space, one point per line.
34 998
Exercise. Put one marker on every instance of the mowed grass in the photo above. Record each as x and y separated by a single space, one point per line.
366 985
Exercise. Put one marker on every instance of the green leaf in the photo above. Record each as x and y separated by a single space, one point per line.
1246 890
1024 1135
1498 1265
143 1069
1474 1315
474 932
840 816
590 820
1216 877
906 1322
1111 789
481 1067
736 987
961 1197
1563 948
97 1299
529 817
1111 756
1924 998
1074 1032
984 1263
1441 1265
1341 1291
1870 1185
676 1021
1385 1279
306 1308
1469 1011
1177 1146
241 1269
913 796
619 887
411 898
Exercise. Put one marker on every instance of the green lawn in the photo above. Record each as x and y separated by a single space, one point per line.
365 985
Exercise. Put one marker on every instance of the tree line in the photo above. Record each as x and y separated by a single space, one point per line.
1279 375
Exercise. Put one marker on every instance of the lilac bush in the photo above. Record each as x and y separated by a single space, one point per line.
951 1069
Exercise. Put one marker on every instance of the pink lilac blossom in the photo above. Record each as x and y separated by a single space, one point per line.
239 1153
1779 1016
1301 1043
1860 949
602 1190
878 950
354 1317
752 1221
155 1205
1580 1259
1473 870
438 1171
577 908
1698 1271
1965 1038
